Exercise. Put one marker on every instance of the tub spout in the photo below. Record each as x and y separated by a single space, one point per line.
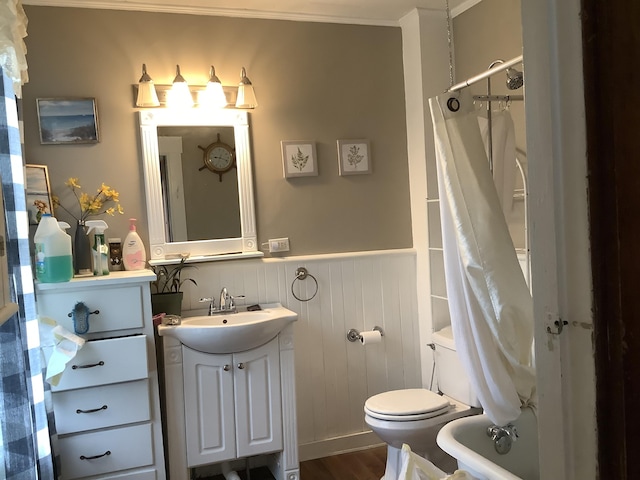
503 437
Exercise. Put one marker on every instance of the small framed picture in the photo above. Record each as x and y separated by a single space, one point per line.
65 121
299 159
38 192
354 157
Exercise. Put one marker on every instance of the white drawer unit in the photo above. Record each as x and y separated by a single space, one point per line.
121 309
138 475
106 404
100 362
104 451
100 407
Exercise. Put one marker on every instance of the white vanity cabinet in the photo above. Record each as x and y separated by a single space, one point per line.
106 404
234 408
222 407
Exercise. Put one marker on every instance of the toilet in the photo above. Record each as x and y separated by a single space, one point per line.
407 416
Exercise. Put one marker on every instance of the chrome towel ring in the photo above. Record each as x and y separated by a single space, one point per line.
302 274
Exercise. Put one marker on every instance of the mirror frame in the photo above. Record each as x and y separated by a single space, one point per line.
164 252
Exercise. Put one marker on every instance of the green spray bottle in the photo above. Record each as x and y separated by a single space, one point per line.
100 248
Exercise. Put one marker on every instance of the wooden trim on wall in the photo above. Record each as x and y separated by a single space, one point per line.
611 45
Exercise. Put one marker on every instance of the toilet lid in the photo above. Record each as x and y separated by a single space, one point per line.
408 404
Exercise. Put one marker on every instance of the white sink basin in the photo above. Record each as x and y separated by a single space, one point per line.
232 332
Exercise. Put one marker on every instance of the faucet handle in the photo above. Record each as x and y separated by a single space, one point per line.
232 300
211 301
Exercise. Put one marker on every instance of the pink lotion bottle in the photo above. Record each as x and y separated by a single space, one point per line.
134 256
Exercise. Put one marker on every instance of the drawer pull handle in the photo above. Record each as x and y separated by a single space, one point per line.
95 312
92 410
108 452
99 364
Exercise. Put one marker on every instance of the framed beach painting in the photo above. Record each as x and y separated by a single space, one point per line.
65 121
38 192
354 157
299 159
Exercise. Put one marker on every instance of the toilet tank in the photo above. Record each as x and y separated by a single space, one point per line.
452 378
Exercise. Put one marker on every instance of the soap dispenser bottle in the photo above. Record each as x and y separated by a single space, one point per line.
100 250
134 255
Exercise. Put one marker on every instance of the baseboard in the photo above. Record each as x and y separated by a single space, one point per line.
338 445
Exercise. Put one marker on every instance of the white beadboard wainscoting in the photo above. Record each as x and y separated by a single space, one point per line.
334 377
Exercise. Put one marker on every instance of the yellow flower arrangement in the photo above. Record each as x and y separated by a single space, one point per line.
106 200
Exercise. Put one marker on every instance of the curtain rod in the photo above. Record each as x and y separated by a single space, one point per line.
487 73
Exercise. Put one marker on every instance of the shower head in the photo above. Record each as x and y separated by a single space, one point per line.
515 79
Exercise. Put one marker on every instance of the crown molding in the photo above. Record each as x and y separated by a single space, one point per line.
212 11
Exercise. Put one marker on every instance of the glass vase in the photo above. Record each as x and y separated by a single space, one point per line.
81 251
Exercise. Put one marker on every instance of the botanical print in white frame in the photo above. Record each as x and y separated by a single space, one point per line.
299 159
354 157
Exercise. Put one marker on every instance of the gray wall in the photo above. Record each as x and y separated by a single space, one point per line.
314 81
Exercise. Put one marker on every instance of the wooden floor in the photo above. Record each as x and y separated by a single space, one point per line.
362 465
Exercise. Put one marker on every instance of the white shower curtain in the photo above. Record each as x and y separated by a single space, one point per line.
490 305
503 154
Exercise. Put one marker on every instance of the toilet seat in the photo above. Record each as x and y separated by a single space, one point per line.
406 405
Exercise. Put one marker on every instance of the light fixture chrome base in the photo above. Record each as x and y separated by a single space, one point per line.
230 92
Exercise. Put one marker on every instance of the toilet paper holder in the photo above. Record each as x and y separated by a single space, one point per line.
353 335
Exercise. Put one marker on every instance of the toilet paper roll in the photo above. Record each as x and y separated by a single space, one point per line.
370 337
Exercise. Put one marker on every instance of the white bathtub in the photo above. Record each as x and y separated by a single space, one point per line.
467 441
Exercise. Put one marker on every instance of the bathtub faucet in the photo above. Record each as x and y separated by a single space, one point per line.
503 437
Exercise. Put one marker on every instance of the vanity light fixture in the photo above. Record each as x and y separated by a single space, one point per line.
182 95
213 95
147 96
179 96
246 95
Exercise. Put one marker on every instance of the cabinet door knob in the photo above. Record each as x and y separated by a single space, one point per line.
226 368
241 365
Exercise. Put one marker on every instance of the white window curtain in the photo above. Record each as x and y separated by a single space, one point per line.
13 29
489 301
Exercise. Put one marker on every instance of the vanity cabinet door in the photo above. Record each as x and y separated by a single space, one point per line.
209 407
258 400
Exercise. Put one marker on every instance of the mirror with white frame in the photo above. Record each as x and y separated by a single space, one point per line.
169 236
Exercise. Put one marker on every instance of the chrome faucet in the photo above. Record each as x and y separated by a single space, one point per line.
503 437
227 303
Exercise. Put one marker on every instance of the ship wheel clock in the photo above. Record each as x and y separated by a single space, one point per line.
218 157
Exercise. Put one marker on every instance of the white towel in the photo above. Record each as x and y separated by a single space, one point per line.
415 467
59 345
